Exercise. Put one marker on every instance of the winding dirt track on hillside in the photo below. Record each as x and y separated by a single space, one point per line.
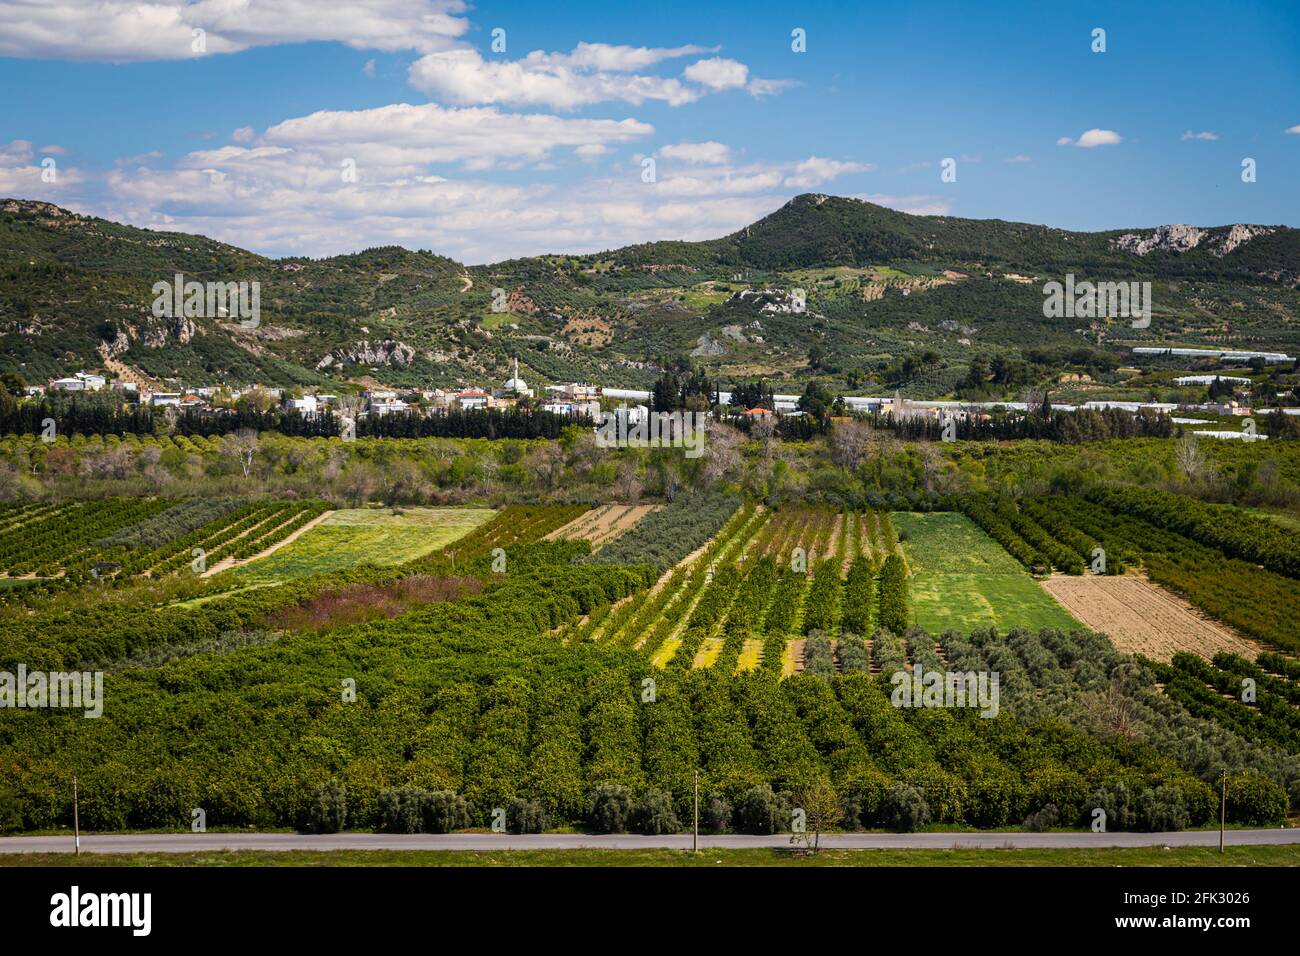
1143 618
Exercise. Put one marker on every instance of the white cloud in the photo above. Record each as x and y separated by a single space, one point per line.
591 73
54 150
917 205
271 211
760 87
139 159
709 153
815 170
1207 135
22 174
369 69
244 134
285 194
1092 138
402 136
129 31
16 152
718 73
723 183
1295 130
1018 158
616 58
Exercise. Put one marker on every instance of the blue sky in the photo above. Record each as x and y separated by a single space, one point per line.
483 154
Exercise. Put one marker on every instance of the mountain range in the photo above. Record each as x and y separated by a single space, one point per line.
825 286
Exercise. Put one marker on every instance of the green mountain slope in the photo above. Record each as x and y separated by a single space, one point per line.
879 285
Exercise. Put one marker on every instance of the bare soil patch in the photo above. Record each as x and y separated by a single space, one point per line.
1143 618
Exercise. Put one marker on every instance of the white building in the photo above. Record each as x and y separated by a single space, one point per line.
590 409
472 400
395 406
81 382
306 405
1207 379
1224 355
515 385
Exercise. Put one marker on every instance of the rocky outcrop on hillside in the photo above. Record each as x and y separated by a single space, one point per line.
36 208
1240 234
1181 237
387 352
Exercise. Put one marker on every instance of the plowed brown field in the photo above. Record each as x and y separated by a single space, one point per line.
1142 618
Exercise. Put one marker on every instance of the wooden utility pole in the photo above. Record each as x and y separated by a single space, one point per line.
76 819
1223 805
695 838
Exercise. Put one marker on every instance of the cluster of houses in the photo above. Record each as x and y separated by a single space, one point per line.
575 399
578 400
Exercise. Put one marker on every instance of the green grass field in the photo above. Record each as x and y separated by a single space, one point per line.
963 579
1201 856
362 535
1288 521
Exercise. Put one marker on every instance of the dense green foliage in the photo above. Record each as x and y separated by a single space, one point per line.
670 534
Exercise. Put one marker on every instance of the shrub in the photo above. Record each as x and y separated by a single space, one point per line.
904 809
715 815
11 812
1162 808
758 811
401 809
610 809
1043 820
1116 800
445 811
862 800
655 815
1255 800
525 816
895 615
328 812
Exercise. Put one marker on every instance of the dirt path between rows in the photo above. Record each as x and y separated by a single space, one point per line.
230 562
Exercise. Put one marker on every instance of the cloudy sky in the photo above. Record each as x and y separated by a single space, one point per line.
296 127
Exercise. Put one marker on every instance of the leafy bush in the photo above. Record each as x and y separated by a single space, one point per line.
715 814
904 809
445 811
401 809
525 816
1043 820
1255 800
654 814
610 809
895 614
328 812
758 811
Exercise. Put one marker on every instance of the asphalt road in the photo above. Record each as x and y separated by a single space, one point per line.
200 842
